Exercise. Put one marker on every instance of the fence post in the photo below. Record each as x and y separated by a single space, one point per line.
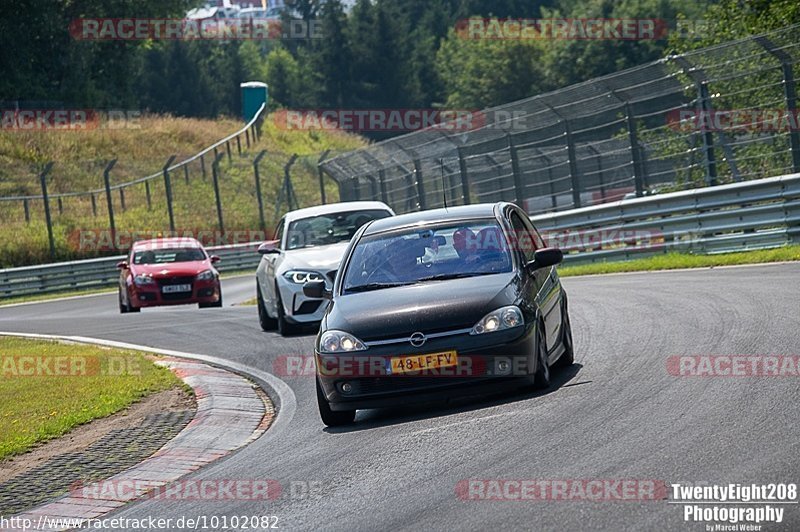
573 166
27 209
599 164
94 206
705 110
215 177
228 149
462 167
147 195
638 179
421 200
168 193
60 206
46 201
261 218
790 95
238 144
247 137
203 165
290 195
322 176
518 189
186 173
110 202
122 198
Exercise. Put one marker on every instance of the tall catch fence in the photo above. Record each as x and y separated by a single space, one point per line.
717 115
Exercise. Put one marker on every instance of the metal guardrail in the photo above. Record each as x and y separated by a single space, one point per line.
750 215
102 272
742 216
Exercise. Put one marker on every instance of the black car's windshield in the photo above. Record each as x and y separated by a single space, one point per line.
167 256
329 228
428 254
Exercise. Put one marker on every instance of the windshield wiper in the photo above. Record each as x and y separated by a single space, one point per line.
373 286
446 276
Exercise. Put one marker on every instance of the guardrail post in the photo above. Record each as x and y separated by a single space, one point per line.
215 177
27 209
322 175
518 189
790 95
247 137
573 166
261 219
122 198
168 193
203 166
638 179
228 149
46 201
110 202
239 144
462 167
94 205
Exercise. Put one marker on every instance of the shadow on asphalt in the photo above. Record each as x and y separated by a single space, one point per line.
371 419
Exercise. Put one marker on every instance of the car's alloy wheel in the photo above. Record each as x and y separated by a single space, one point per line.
567 358
329 417
267 323
541 379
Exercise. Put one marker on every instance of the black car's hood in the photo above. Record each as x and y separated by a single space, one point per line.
425 307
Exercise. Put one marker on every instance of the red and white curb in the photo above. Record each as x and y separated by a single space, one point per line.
231 412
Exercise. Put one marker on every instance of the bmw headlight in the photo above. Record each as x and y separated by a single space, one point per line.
207 275
498 320
143 279
302 277
339 342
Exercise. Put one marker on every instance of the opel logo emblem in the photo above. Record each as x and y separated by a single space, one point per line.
418 339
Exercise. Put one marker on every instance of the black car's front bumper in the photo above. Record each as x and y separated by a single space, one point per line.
487 363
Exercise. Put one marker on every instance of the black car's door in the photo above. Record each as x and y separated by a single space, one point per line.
545 281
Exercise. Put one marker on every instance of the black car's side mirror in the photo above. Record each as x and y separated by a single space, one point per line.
544 258
316 290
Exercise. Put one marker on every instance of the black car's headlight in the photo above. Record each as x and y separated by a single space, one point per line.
339 342
498 320
302 276
143 279
207 275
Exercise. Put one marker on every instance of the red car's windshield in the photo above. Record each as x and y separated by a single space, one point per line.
167 256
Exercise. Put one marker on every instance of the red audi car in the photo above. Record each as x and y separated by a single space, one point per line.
168 271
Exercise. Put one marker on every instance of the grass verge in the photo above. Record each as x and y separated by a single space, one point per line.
47 388
676 261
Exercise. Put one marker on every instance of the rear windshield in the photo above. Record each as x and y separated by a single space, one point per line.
167 256
430 254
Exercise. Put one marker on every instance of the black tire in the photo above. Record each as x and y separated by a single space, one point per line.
285 328
541 379
123 308
329 417
567 358
267 323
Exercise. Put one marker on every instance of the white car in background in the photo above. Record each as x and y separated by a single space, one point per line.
308 246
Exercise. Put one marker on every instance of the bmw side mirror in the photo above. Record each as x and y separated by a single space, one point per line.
544 258
122 265
316 290
268 248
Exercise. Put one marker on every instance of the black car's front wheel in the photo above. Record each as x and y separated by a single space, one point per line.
329 417
541 378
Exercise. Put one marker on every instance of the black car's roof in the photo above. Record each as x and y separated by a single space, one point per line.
462 212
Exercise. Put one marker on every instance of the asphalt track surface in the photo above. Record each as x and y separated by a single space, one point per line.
617 414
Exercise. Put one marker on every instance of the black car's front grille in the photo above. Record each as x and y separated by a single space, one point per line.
399 383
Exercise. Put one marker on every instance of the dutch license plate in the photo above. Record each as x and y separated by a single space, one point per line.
172 288
415 363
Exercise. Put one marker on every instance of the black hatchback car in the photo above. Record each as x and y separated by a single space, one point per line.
436 304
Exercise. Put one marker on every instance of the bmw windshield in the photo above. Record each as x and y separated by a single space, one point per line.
434 253
330 228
